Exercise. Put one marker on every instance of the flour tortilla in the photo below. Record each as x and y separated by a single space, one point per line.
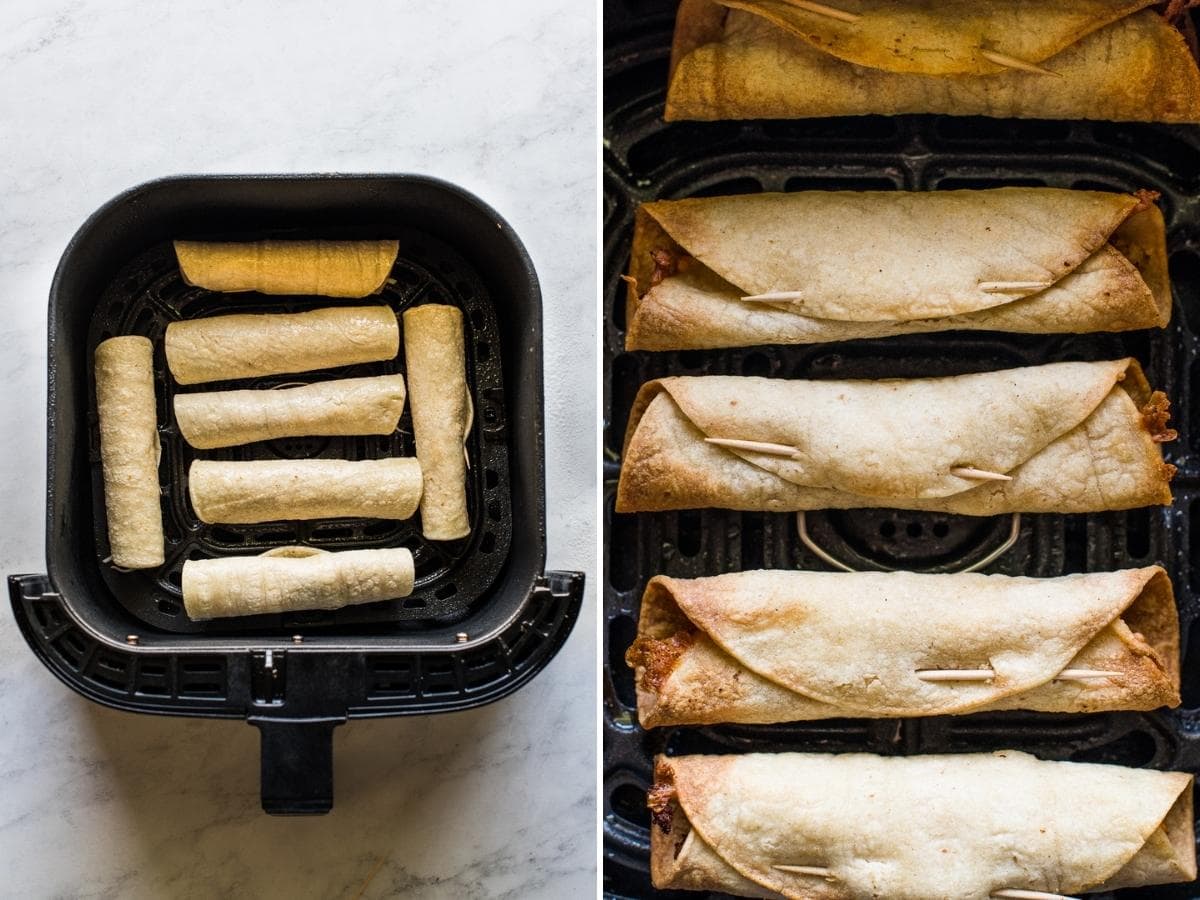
291 579
250 346
327 268
939 827
778 646
129 450
273 490
1074 437
877 263
1111 59
342 407
435 358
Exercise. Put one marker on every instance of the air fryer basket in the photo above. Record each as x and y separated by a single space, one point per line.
647 159
484 616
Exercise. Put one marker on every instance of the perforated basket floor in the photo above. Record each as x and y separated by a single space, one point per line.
150 293
647 159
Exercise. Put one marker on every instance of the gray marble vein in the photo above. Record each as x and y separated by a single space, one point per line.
97 96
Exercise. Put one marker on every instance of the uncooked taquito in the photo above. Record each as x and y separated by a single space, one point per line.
271 490
248 346
291 579
814 826
1065 438
1084 59
881 645
327 268
129 450
343 407
839 265
441 413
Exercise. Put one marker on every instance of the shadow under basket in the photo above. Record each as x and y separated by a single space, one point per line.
484 616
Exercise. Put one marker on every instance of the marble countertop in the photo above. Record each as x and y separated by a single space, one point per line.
98 96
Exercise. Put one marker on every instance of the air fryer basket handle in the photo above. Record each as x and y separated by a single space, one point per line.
297 765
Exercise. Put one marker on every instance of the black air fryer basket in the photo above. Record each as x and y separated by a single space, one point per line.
484 617
647 159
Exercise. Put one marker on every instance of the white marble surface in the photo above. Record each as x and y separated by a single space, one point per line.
99 95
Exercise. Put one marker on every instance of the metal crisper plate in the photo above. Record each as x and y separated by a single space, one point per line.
149 293
647 159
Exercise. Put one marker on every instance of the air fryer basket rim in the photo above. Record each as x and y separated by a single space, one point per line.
433 639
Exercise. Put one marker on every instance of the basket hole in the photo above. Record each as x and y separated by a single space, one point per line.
688 532
1137 533
1137 748
628 802
414 603
913 529
446 591
225 536
622 563
167 607
887 530
622 631
488 543
756 364
940 529
491 478
753 525
483 352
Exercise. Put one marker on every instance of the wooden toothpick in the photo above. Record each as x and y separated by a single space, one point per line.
1005 287
981 474
935 675
756 446
775 297
816 871
1014 62
821 9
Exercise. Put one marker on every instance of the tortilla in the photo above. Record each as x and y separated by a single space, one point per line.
876 263
950 827
129 451
250 346
344 407
327 268
435 358
270 490
1102 59
290 579
725 648
1072 437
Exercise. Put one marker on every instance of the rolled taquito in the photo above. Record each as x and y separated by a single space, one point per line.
878 645
347 406
271 490
1065 438
840 265
247 346
327 268
290 579
435 359
129 450
1118 60
810 826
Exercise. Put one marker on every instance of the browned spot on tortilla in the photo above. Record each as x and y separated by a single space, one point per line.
660 799
1155 414
658 657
